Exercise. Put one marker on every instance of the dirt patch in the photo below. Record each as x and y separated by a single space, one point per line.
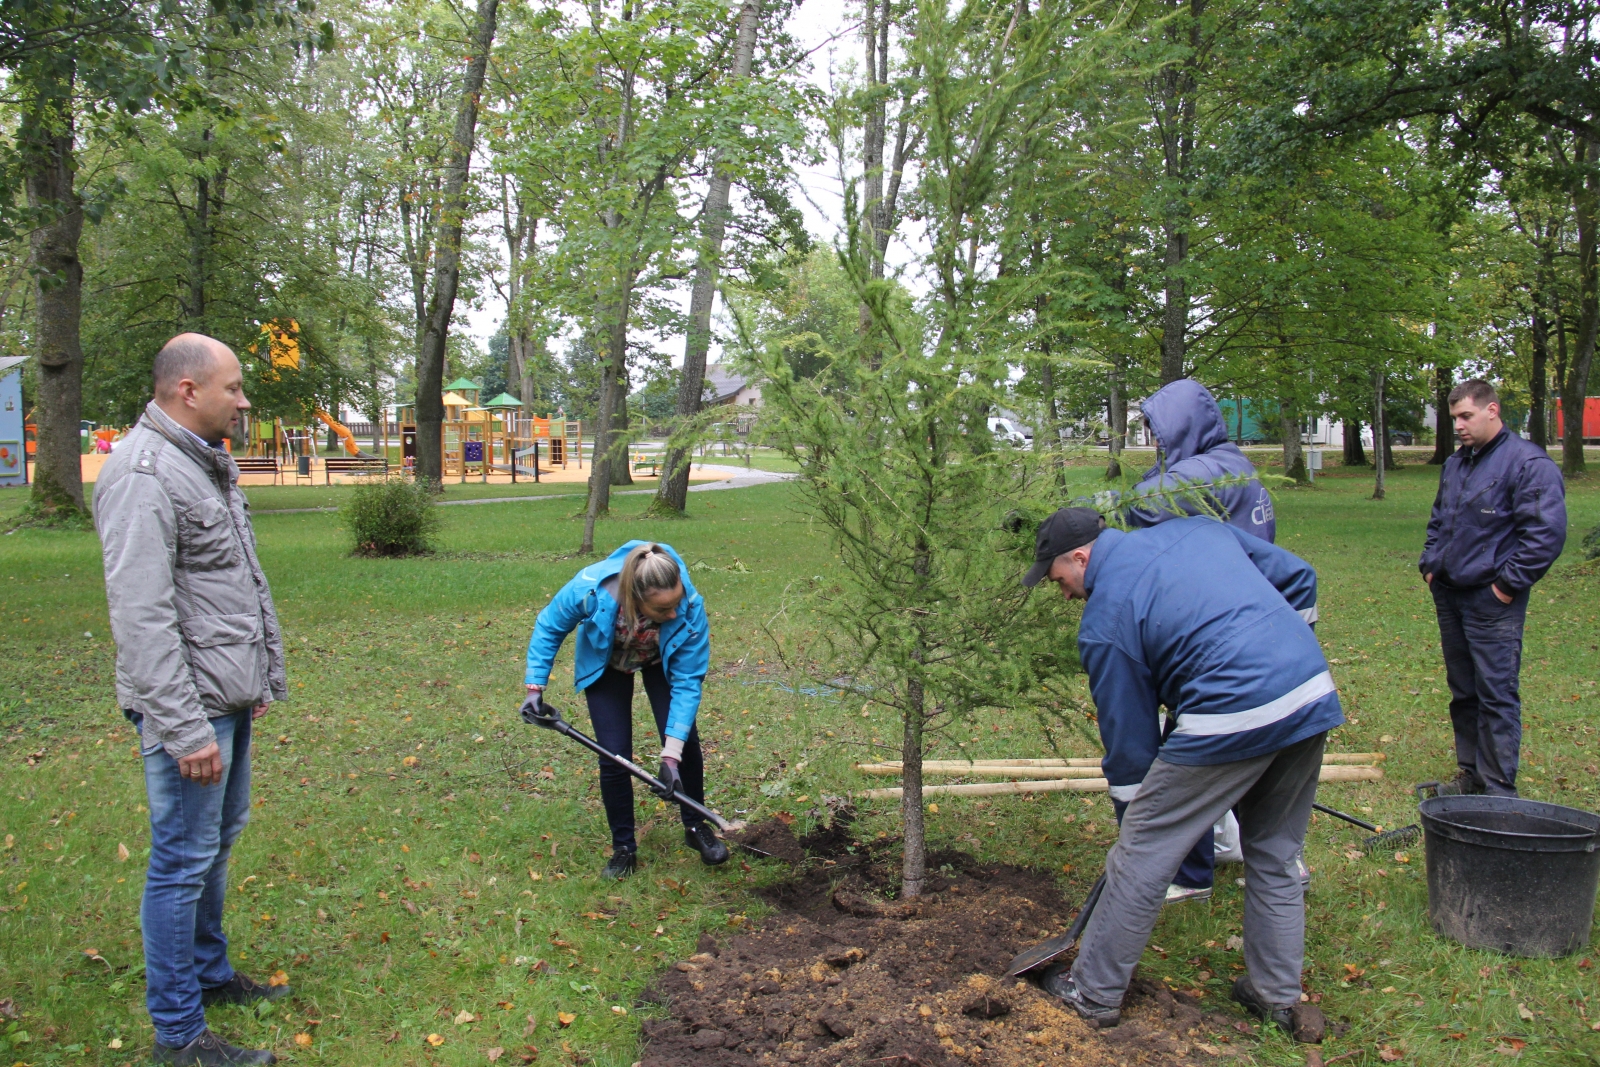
773 838
841 975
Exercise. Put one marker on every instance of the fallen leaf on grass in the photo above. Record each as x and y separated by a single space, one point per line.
410 761
566 1018
1523 1013
279 978
303 1040
463 1017
122 852
619 1009
1352 854
494 1053
435 1040
1389 1055
115 1042
533 1024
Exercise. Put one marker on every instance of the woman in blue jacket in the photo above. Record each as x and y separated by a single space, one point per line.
635 612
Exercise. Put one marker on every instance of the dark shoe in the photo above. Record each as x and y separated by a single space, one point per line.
704 840
623 862
1246 994
1464 784
1100 1016
209 1050
241 990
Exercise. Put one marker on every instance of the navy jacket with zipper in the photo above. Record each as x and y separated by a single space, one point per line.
1195 449
1211 622
1500 516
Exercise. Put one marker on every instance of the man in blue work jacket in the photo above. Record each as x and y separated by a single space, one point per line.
1205 619
1499 522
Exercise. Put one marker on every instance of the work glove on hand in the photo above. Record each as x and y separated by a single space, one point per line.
533 709
671 780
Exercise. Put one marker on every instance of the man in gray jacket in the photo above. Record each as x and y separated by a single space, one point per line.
199 657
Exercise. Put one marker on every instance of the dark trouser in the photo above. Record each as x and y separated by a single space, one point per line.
1273 795
1482 643
611 712
192 830
1199 868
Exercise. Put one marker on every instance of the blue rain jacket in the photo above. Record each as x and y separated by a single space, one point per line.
583 606
1194 441
1500 516
1211 622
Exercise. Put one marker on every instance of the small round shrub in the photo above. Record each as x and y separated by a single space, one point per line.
391 517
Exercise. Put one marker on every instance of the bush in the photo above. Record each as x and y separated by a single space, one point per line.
393 517
1591 544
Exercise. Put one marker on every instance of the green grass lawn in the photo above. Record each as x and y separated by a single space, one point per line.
400 898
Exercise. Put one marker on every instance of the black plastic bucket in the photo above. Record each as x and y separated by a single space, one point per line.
1511 875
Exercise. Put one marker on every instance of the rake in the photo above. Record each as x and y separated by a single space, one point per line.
1381 840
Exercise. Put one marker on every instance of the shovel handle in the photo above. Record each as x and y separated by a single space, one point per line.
552 720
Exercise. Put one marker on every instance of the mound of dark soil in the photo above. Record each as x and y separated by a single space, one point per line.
841 975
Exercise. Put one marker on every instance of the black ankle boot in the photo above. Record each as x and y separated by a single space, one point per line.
703 840
623 862
209 1050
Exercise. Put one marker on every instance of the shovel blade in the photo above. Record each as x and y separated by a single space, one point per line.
1031 959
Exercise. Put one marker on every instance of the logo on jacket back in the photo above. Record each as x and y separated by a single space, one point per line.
1261 514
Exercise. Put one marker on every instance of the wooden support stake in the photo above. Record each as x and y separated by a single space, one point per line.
1083 785
987 771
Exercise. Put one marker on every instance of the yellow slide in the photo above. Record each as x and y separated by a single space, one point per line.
346 438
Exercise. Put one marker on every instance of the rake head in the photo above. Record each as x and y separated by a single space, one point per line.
1391 840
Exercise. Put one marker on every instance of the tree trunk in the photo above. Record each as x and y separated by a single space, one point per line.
1380 430
1444 437
447 261
1118 417
914 858
672 494
1294 457
45 139
1539 380
600 467
1575 387
1354 454
1175 316
621 433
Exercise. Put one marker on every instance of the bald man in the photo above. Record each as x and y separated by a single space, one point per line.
199 658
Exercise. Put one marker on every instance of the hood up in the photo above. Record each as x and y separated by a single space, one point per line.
1186 420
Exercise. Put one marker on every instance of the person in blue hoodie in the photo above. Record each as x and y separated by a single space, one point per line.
635 612
1208 621
1195 450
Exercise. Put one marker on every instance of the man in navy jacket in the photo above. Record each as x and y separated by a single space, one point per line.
1499 522
1206 620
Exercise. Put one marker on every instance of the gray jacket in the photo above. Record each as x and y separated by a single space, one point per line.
197 635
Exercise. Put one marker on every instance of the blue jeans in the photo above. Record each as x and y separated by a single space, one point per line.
1481 639
610 700
192 829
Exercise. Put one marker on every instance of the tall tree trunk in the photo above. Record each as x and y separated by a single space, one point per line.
1354 454
613 369
447 261
1444 437
914 857
1175 115
621 432
1575 386
1117 415
1175 316
1380 430
1539 380
672 494
49 167
1294 457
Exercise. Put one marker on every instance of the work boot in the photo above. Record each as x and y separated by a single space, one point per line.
1246 994
624 860
1058 982
1464 784
241 989
209 1050
704 840
1177 894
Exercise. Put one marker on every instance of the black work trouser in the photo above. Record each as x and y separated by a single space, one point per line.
610 700
1482 643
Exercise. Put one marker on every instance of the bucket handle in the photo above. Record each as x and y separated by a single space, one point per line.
1423 789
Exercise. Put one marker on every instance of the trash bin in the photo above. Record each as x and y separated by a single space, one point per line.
1313 463
302 466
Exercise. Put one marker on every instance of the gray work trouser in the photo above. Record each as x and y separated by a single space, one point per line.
1175 805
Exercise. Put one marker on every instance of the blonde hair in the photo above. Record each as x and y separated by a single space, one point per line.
648 568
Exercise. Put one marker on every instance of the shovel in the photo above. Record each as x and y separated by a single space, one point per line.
551 720
1032 959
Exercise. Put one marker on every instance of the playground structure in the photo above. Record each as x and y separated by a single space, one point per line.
494 437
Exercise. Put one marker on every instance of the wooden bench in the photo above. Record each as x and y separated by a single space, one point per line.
258 465
653 460
353 465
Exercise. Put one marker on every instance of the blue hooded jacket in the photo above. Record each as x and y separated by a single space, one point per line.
1211 622
1500 516
583 606
1194 440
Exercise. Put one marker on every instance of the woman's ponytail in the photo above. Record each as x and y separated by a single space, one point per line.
648 568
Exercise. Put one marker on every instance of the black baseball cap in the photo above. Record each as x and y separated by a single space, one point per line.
1067 529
